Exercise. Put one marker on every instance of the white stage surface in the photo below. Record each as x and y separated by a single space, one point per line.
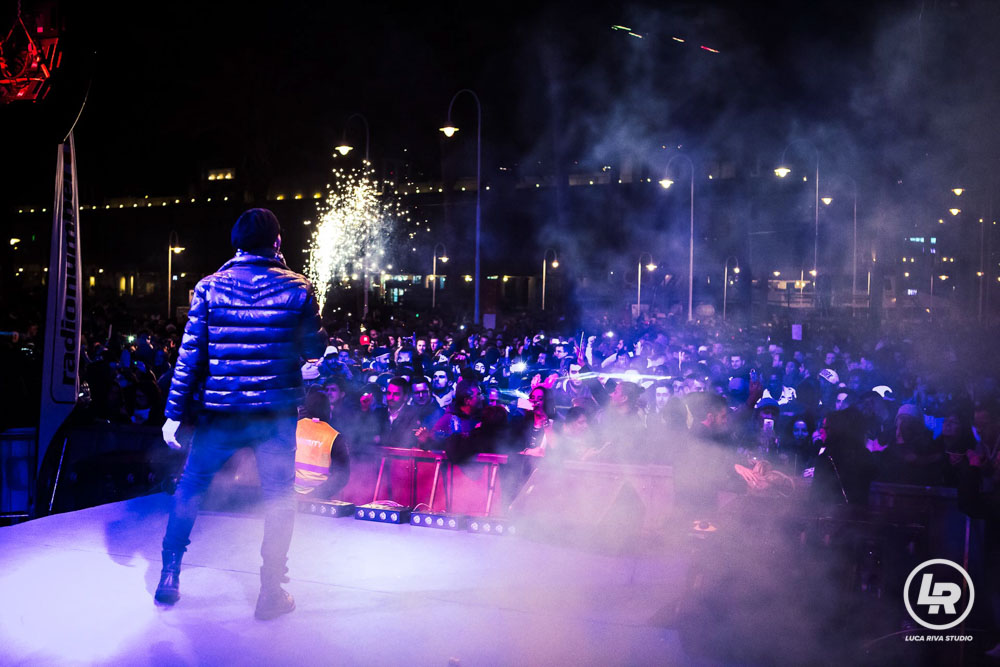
77 589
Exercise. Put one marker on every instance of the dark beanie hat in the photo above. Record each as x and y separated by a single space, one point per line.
256 229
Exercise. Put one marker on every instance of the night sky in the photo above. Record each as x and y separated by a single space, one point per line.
177 86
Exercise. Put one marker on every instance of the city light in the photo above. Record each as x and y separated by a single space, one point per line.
666 183
781 172
827 200
958 191
954 211
344 149
449 130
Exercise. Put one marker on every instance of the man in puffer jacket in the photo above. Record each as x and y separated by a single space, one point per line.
249 327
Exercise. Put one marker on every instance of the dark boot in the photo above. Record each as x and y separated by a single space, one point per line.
169 589
273 600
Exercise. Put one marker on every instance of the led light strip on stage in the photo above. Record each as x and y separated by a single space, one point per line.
491 526
443 521
382 513
330 508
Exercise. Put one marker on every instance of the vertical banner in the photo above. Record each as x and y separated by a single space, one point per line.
60 379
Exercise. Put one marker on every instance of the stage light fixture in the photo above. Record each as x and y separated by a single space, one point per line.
441 521
382 513
29 54
330 508
491 526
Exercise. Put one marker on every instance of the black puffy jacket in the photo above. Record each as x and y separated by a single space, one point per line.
250 325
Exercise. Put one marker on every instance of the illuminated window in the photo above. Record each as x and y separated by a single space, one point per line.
221 174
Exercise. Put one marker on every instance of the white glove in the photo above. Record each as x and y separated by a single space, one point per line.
170 433
310 370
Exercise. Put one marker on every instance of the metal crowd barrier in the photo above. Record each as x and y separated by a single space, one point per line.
18 453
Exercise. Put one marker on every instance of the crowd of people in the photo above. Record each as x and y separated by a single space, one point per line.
843 408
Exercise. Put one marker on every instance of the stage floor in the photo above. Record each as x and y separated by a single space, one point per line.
77 588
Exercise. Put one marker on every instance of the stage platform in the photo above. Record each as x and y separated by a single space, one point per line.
77 588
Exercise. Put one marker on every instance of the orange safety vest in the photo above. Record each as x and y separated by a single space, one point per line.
313 443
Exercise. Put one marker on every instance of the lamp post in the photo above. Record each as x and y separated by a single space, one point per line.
344 148
665 184
555 265
651 266
172 249
781 171
854 253
449 130
725 281
943 277
981 273
434 271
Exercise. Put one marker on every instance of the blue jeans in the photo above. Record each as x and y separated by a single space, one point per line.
216 438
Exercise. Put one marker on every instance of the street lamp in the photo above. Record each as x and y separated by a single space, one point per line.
172 249
650 266
555 265
982 251
665 184
854 253
781 171
725 281
434 271
943 277
344 148
449 131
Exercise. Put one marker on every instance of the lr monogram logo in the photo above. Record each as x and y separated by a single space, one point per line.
945 593
939 594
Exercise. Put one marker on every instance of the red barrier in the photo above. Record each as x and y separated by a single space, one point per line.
590 494
412 477
364 471
475 486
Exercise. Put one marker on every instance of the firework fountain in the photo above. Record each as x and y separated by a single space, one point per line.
354 230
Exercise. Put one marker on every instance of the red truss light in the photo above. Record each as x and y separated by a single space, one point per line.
27 61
